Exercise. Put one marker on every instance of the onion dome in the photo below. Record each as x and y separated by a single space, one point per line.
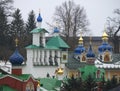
105 46
60 71
56 30
90 52
81 40
80 49
38 84
16 58
104 36
39 19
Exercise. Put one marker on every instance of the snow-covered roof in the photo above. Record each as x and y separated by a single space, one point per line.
108 65
5 66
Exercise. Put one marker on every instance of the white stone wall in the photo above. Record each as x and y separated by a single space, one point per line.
43 39
39 71
34 67
36 39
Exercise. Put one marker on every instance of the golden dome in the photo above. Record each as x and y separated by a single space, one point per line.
104 36
80 40
38 84
60 71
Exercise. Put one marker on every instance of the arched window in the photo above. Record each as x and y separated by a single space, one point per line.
83 58
98 74
30 86
107 57
64 57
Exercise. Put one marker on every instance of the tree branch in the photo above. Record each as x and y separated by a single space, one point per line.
115 34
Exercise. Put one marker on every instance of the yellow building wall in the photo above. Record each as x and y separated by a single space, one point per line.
110 73
73 73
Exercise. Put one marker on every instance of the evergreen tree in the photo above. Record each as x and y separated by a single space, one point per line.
5 41
108 85
7 5
72 84
3 26
17 30
114 82
31 24
89 83
17 25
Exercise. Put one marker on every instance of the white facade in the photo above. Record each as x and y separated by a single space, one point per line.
38 63
36 39
42 59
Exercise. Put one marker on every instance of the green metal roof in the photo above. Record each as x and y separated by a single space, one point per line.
50 84
58 42
6 88
38 30
20 77
23 76
73 63
90 70
40 47
51 47
1 75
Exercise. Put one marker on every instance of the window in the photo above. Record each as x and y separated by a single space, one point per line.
98 73
30 86
107 57
83 58
64 57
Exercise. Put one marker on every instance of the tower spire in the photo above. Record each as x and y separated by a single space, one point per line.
81 39
90 40
105 36
16 42
39 20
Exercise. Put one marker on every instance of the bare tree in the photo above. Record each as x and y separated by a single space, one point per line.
71 19
113 27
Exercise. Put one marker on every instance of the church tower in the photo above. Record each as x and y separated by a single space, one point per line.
16 60
39 33
43 55
90 54
79 52
105 50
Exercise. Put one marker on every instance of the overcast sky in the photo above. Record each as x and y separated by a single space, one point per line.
97 11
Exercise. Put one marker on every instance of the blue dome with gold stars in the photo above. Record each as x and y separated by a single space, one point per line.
16 58
39 19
